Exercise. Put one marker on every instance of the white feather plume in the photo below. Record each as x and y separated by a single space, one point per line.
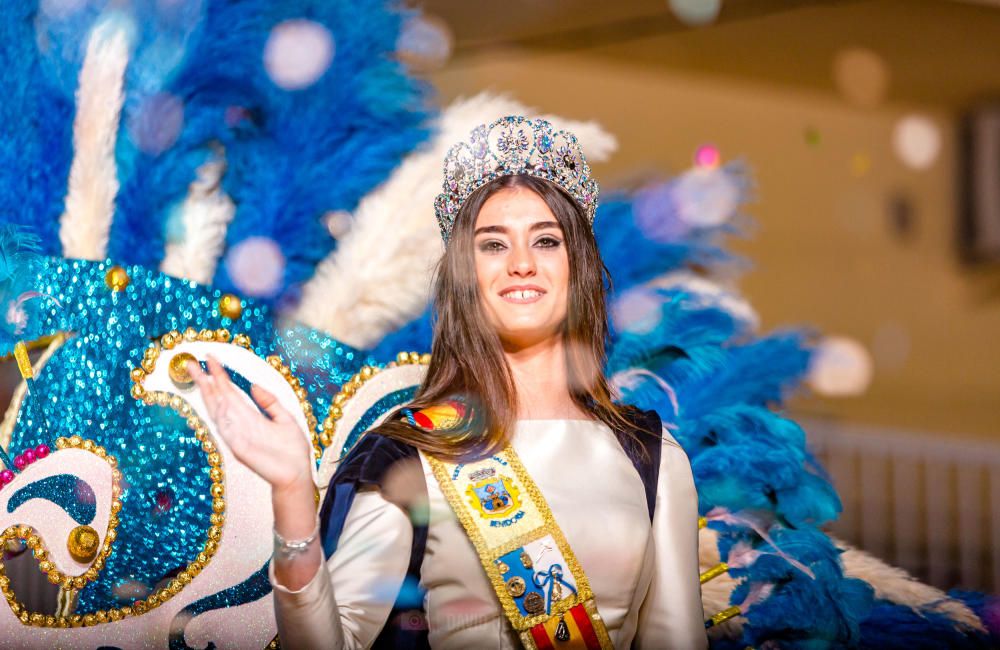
379 277
204 217
710 293
715 593
896 585
93 176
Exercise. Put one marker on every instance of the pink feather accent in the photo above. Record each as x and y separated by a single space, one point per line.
724 516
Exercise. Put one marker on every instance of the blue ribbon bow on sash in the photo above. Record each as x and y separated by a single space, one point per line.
552 577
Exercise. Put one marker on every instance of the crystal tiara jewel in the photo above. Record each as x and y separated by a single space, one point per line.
509 146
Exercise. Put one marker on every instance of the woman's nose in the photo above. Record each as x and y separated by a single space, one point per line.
522 262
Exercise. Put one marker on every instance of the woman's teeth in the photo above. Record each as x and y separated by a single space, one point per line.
522 295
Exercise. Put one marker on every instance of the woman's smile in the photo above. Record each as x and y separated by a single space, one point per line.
523 294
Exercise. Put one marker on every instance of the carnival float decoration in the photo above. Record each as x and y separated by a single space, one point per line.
176 180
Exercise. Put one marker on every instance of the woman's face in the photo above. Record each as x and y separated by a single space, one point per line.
522 267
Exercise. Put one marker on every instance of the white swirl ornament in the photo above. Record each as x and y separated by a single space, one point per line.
241 547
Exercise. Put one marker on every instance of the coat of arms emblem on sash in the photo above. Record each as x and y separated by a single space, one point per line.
492 495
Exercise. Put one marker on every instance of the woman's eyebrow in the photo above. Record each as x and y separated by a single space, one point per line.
542 225
538 225
499 229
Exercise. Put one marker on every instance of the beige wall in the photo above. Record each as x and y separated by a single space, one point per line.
824 253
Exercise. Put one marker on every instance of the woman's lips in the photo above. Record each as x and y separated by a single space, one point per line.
522 295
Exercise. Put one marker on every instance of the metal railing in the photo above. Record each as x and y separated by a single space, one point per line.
927 503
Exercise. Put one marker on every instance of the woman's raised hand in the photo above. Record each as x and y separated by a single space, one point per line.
271 445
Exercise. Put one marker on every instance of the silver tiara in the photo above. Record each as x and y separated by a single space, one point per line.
509 146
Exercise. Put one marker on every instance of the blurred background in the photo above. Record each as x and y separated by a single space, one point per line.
872 130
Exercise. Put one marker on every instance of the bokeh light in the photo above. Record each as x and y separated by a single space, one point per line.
636 311
861 76
297 53
256 266
696 12
338 223
917 141
425 43
655 213
708 156
840 367
706 197
155 123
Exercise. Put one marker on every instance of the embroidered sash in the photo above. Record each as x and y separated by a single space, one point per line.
541 586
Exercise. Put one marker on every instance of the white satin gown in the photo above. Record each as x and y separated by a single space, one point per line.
645 578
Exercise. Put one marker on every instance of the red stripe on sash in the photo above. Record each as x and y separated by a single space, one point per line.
582 619
541 637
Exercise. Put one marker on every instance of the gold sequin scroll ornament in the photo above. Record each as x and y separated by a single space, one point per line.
351 386
68 583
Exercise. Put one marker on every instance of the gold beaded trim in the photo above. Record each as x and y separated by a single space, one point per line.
176 585
55 576
351 386
171 339
37 546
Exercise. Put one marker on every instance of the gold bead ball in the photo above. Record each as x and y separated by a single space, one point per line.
117 278
82 543
178 369
230 306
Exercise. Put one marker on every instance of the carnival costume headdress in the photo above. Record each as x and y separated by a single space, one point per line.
510 146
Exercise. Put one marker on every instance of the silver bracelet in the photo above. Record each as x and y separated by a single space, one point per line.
287 549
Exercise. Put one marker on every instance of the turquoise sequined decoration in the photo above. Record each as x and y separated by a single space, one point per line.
85 388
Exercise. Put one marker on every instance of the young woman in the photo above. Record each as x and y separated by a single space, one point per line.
546 515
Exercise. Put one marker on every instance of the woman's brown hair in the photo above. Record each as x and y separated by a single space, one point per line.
467 359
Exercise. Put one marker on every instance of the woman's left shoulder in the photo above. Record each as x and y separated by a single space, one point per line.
649 423
642 421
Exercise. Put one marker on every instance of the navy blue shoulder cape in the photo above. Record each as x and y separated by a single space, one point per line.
367 464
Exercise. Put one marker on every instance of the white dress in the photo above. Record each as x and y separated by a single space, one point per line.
645 579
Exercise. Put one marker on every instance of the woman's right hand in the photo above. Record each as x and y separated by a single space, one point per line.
272 446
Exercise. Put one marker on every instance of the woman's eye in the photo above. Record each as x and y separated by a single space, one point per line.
491 246
548 242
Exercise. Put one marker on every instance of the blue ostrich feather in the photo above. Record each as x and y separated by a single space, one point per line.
759 372
779 479
291 155
35 129
890 626
823 610
681 322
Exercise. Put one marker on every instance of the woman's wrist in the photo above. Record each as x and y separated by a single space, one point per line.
294 506
294 487
288 549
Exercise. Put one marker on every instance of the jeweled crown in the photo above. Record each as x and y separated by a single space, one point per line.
514 145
